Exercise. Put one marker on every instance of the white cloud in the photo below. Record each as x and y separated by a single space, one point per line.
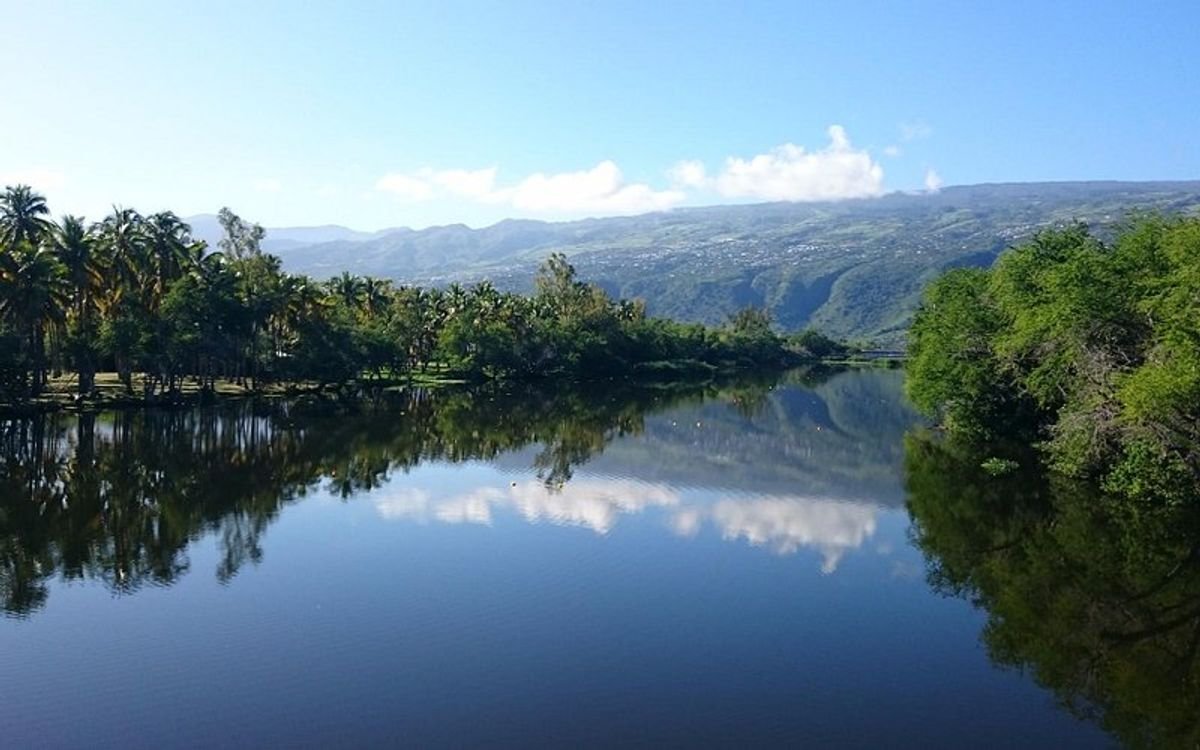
788 172
39 178
688 174
792 173
268 185
933 181
601 190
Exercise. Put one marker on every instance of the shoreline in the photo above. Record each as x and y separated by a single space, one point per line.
111 394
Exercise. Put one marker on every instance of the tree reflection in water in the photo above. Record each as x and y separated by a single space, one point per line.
118 497
1099 601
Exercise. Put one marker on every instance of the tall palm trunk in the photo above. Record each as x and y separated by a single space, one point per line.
37 355
85 360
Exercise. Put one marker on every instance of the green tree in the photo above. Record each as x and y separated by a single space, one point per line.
76 248
24 218
34 298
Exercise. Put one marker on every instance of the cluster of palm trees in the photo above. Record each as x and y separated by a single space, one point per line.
138 295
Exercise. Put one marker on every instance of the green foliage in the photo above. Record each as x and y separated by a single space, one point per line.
813 344
999 466
1092 348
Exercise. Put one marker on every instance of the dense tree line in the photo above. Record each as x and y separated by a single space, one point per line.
1089 348
138 294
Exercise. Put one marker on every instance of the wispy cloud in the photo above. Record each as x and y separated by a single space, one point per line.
914 130
601 190
933 181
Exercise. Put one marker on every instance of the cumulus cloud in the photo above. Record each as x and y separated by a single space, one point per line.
39 178
788 172
599 190
792 173
688 174
933 181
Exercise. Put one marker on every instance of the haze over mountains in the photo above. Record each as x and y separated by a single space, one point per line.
852 268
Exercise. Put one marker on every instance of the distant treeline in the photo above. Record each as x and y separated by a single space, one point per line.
137 294
1090 349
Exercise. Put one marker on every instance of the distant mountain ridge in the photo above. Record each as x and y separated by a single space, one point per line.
206 227
854 268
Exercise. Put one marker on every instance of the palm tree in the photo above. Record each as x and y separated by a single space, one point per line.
347 289
23 217
123 238
168 243
376 295
35 298
76 249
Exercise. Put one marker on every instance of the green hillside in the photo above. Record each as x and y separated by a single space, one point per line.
853 268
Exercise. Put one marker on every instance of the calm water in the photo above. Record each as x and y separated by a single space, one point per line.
723 567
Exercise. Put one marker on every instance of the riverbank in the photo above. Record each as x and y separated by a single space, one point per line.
61 392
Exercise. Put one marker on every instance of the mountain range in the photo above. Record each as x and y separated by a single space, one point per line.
853 268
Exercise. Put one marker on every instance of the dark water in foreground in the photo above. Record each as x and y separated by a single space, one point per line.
721 567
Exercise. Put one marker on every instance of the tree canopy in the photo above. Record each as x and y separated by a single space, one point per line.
1090 348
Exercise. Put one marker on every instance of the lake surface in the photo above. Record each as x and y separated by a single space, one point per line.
723 566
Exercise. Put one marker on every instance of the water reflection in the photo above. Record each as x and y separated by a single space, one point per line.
117 498
591 503
783 524
1099 601
787 524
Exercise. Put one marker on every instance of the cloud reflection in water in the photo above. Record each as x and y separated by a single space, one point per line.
784 524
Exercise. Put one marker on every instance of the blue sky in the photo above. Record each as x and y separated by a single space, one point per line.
386 114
